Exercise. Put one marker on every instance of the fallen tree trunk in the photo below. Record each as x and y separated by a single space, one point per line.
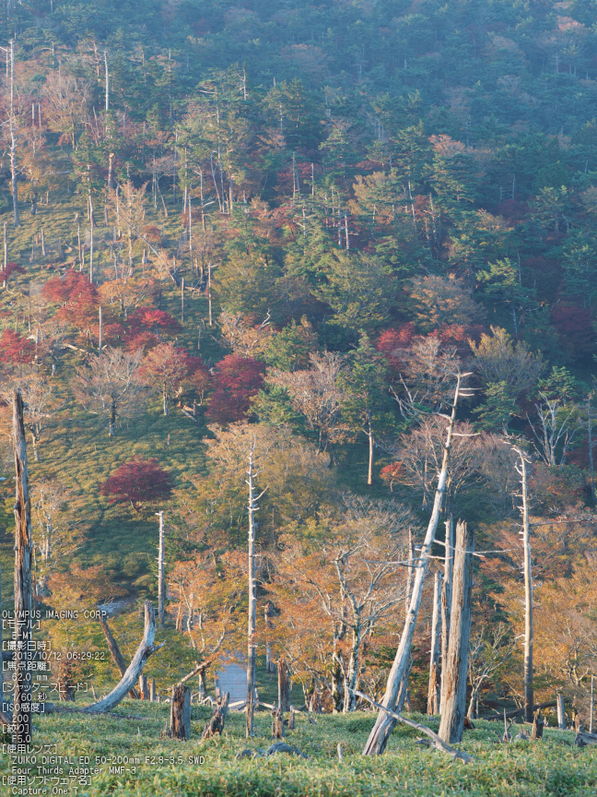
438 743
519 711
116 655
144 651
583 739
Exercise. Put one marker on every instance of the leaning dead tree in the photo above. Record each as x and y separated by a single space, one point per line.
378 738
453 705
130 677
22 600
436 742
116 654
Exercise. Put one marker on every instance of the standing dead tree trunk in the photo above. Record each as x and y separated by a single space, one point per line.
378 738
143 687
453 705
268 611
252 619
529 697
447 595
116 655
161 590
434 691
22 584
283 686
561 709
180 713
144 651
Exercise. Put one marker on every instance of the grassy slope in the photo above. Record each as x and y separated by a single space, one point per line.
76 450
525 769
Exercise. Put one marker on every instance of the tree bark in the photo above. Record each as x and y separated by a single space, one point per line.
22 583
13 141
270 667
528 591
283 686
143 687
116 655
180 713
216 724
561 712
436 741
161 570
252 614
453 705
144 651
379 735
447 595
278 723
371 447
434 690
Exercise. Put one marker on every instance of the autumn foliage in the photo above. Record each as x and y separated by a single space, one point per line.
15 349
77 297
138 482
237 380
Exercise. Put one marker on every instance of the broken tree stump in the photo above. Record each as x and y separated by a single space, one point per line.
143 687
283 685
538 724
180 713
277 723
216 723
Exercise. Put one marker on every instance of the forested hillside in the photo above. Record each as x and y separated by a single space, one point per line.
281 230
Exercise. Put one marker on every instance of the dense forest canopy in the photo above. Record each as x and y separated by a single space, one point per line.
282 229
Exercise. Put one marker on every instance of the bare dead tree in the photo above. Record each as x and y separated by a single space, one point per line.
379 735
111 386
434 691
521 469
453 705
130 677
252 613
22 588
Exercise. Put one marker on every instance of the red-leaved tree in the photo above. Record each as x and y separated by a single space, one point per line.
6 273
14 349
138 482
236 381
148 326
78 300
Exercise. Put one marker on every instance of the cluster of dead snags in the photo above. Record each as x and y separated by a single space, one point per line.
453 689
